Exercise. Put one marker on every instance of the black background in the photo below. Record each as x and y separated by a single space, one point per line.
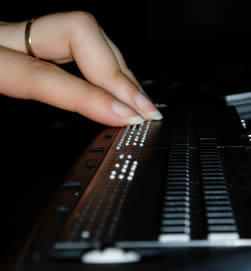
176 40
188 47
191 41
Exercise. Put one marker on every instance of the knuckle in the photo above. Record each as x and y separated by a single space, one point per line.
79 18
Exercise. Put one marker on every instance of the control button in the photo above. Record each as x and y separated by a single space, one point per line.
72 185
62 210
96 149
108 136
90 164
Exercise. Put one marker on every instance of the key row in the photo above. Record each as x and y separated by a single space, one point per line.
175 223
220 220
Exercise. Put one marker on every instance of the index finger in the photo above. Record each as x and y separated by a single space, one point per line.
22 76
100 66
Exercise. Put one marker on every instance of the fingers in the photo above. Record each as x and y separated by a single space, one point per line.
45 82
102 66
123 66
49 35
12 36
120 59
64 36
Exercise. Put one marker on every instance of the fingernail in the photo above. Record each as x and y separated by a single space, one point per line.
148 107
155 115
125 112
136 120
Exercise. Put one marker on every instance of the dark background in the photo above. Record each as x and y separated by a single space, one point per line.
188 47
194 40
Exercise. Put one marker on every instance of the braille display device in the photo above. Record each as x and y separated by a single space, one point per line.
136 191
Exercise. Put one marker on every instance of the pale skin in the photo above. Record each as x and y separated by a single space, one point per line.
110 94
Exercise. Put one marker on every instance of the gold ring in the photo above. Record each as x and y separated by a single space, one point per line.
28 37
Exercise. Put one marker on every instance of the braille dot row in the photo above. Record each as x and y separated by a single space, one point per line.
128 141
143 138
123 138
136 139
132 170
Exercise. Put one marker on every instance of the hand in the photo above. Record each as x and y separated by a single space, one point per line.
110 94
